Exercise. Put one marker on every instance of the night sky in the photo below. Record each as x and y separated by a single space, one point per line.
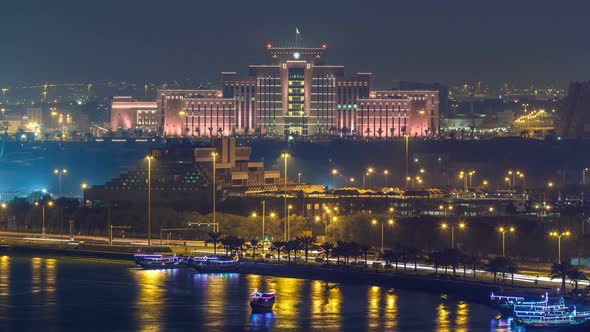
425 40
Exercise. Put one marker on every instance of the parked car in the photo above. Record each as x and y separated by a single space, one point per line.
377 265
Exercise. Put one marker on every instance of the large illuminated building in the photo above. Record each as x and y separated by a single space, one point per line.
295 93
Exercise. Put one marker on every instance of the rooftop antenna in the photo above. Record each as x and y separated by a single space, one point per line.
297 37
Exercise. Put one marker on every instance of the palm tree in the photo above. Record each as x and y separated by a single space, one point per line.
365 250
289 247
434 258
253 243
473 261
452 259
278 247
306 242
215 237
391 256
413 254
576 275
327 249
560 270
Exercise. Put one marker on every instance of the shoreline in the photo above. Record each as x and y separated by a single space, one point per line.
473 290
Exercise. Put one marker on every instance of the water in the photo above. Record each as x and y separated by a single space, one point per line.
79 294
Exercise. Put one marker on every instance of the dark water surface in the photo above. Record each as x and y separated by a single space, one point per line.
79 294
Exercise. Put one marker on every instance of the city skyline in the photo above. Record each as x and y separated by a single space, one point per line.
519 42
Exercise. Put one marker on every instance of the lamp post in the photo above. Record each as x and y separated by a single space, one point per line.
149 189
214 158
407 137
584 175
286 157
559 236
522 176
503 230
386 173
544 208
346 180
334 173
445 209
49 204
59 173
471 174
263 215
366 175
463 177
299 178
461 226
288 223
374 222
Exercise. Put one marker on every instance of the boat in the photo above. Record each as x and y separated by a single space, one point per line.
550 316
139 258
262 302
214 264
162 263
505 303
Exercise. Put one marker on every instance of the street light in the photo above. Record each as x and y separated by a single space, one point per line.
49 204
471 174
286 157
60 172
446 209
584 175
214 158
263 215
559 236
463 176
347 180
390 222
386 173
334 173
366 175
149 185
503 230
287 224
445 226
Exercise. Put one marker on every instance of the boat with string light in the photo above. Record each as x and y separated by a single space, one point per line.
544 315
162 263
214 264
262 301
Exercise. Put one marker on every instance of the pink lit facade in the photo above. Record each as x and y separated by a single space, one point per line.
295 93
188 113
395 113
127 114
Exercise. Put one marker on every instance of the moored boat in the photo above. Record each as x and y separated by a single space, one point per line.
546 316
162 263
214 264
140 258
262 302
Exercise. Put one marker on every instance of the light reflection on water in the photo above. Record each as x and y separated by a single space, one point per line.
164 300
150 299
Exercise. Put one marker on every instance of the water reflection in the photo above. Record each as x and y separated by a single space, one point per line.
462 318
391 311
149 303
4 285
4 277
374 310
442 322
288 301
262 321
326 301
164 300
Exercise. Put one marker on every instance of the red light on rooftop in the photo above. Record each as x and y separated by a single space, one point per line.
268 45
324 45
